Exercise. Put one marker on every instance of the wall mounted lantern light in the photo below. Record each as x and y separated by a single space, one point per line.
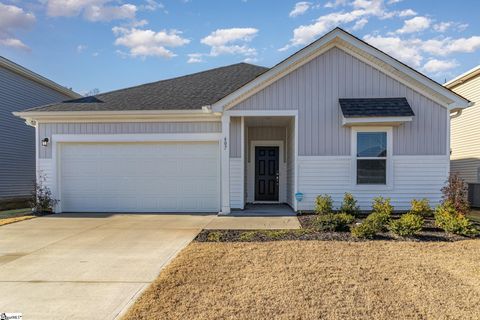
44 142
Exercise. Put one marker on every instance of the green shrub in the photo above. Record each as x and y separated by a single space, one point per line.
333 222
364 230
323 204
381 205
408 225
214 236
376 221
349 205
421 208
275 234
450 220
247 235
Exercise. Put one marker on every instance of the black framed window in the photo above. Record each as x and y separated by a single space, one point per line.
371 157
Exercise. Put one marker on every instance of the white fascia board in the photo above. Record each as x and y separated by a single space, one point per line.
325 43
118 116
156 137
24 72
375 121
463 77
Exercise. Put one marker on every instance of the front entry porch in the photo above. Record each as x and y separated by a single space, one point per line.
261 162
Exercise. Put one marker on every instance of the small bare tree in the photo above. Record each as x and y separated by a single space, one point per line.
456 191
42 201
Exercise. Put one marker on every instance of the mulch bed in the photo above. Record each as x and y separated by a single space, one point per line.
429 233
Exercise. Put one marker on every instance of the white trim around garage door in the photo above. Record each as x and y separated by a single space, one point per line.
119 138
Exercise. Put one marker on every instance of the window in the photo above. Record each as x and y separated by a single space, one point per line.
371 157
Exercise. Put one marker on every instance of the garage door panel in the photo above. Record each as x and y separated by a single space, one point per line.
140 177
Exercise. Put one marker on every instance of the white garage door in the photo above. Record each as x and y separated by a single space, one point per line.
139 177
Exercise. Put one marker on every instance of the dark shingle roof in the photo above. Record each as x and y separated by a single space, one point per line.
183 93
376 107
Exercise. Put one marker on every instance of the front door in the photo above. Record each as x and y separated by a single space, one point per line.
266 173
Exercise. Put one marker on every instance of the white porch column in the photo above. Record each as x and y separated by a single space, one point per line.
225 164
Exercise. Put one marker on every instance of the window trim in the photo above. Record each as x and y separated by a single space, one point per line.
389 158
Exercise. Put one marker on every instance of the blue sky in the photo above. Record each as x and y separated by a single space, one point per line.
112 44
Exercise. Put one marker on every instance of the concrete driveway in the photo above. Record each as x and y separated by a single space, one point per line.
92 266
87 266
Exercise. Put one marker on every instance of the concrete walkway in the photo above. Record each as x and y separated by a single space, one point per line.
92 266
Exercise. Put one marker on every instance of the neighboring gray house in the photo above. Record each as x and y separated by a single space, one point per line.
337 116
21 88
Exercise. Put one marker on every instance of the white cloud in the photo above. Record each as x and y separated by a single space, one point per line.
436 66
231 41
100 13
360 24
404 51
93 10
336 3
413 50
442 26
446 46
250 60
14 43
195 58
407 13
394 1
300 8
362 9
81 48
152 5
415 24
13 18
143 43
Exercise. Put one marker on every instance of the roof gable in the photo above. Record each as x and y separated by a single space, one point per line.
359 49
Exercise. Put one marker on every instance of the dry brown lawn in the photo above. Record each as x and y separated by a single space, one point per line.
317 280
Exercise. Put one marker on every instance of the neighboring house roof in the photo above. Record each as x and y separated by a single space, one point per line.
18 69
463 77
361 50
376 107
190 92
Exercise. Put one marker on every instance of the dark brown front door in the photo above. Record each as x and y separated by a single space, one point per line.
266 173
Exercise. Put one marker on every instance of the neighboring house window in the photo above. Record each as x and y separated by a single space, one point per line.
371 157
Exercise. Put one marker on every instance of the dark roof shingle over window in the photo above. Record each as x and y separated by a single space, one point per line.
375 107
190 92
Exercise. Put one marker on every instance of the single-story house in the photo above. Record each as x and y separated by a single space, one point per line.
465 145
21 88
337 116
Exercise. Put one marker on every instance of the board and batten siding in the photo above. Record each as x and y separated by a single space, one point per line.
235 137
465 138
17 143
314 90
46 130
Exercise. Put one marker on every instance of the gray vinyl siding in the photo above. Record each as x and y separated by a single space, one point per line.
46 130
314 90
17 143
235 137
